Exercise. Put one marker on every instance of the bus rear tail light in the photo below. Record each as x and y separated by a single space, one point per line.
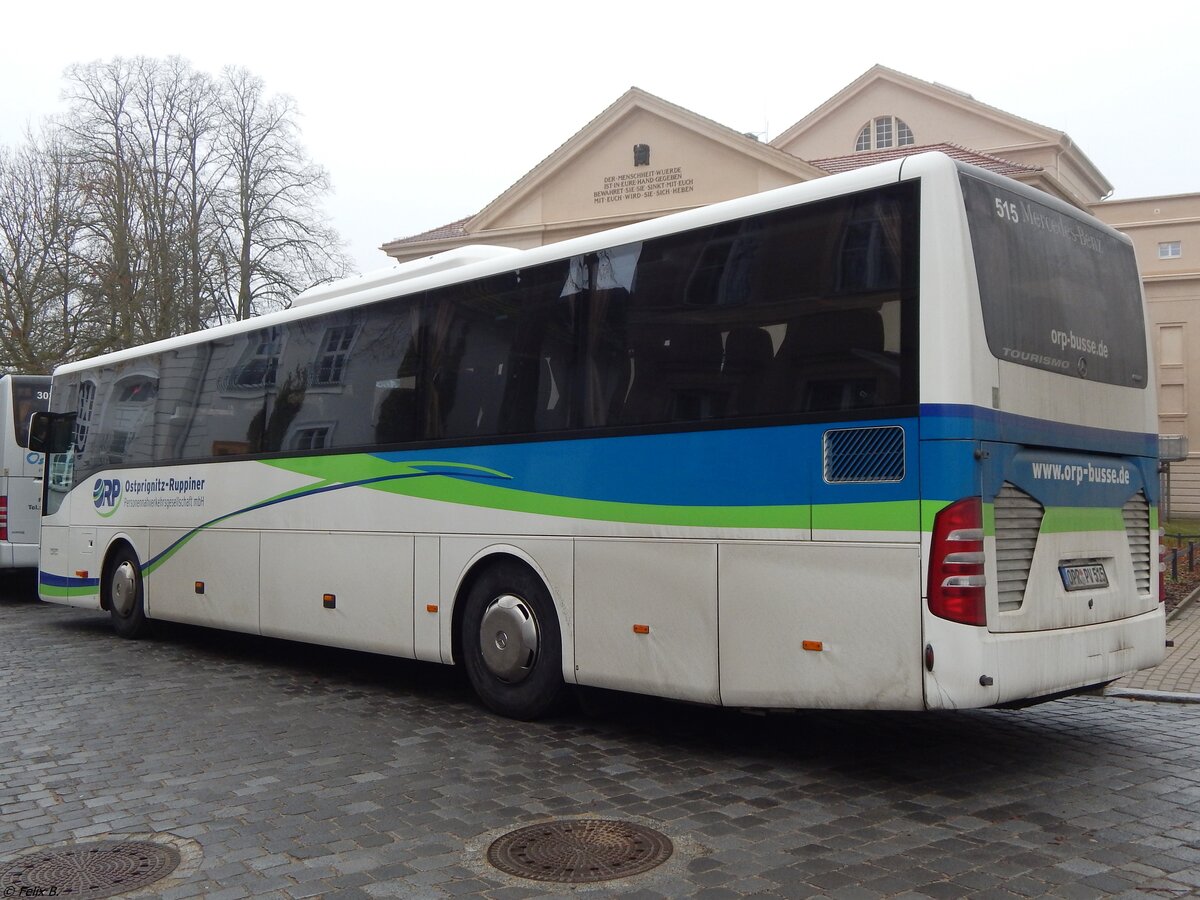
3 518
956 579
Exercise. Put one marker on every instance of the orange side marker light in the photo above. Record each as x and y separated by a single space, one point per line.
812 645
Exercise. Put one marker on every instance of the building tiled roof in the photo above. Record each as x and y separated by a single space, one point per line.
834 164
450 230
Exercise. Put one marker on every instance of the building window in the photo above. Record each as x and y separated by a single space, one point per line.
335 350
262 359
83 417
1169 250
882 133
137 391
312 438
864 139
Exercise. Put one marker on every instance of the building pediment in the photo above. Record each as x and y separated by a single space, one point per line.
889 106
932 112
640 156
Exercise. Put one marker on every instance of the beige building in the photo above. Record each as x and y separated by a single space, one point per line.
644 157
1166 238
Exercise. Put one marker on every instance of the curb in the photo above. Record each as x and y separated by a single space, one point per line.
1156 696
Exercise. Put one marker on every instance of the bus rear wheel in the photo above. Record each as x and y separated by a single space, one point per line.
511 643
125 596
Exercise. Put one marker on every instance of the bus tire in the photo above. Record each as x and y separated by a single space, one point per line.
124 595
512 644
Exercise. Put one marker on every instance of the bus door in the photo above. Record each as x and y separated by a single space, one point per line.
21 470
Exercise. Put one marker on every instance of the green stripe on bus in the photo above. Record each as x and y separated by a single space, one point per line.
881 516
889 515
48 590
900 515
488 496
1064 519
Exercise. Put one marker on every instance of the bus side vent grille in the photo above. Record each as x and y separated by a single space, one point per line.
1136 513
1018 521
864 454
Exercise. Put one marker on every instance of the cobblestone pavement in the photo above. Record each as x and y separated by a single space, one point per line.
304 772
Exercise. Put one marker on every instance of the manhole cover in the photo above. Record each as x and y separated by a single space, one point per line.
89 870
578 851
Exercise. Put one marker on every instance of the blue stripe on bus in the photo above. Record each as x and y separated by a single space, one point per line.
52 580
942 421
769 466
772 466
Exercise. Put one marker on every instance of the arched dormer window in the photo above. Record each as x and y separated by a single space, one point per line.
884 132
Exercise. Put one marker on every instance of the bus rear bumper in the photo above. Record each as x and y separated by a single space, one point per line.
980 668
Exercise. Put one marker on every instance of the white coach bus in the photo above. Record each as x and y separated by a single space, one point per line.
881 440
20 469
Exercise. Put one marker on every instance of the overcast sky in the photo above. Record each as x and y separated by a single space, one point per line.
424 113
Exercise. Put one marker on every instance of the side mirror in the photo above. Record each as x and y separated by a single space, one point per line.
51 432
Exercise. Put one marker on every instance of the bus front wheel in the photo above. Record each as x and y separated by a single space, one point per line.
124 595
511 643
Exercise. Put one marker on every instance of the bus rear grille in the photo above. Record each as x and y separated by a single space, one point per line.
1018 521
1136 513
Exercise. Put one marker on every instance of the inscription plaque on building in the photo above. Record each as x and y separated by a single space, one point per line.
643 183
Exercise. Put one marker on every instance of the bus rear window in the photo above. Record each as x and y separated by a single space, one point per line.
29 395
1058 293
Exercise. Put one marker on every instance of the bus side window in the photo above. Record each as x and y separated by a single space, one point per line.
749 355
830 361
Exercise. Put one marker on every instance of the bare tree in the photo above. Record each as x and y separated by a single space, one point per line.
44 317
173 134
204 172
162 202
98 126
277 240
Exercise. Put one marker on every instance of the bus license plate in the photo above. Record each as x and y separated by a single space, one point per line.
1083 577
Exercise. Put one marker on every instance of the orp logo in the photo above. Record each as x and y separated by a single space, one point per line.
106 495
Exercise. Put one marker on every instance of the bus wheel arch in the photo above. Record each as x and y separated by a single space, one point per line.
123 592
507 635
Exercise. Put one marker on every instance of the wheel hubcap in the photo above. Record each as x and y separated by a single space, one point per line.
124 588
508 638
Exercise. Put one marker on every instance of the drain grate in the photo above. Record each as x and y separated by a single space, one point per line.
89 870
580 851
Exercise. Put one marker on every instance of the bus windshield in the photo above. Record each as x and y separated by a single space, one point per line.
29 395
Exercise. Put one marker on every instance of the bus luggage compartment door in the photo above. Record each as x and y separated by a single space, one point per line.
820 625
